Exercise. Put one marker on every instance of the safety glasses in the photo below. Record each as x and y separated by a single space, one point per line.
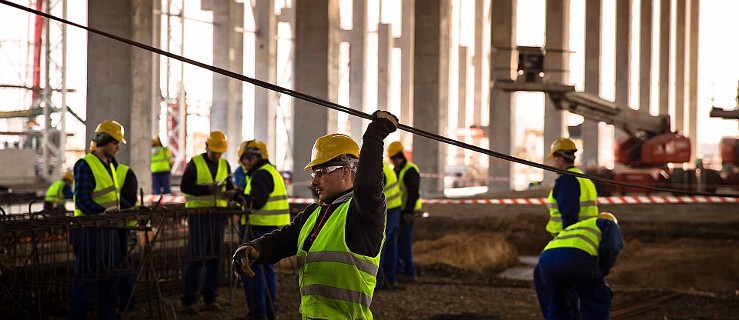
320 172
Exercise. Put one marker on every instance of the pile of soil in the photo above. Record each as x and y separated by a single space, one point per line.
481 252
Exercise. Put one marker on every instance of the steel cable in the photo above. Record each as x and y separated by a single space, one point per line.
357 113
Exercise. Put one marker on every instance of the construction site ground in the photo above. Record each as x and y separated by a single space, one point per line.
680 261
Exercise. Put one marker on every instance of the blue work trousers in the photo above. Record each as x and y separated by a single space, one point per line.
389 259
261 289
405 250
160 181
569 285
97 268
205 243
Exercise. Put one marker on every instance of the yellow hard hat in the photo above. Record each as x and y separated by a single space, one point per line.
69 177
608 215
93 146
394 148
331 146
156 141
561 144
253 147
113 129
217 141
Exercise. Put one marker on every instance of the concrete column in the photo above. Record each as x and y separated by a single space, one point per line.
502 106
156 90
680 67
590 136
384 65
693 82
228 52
265 57
557 65
664 56
462 99
316 73
431 88
357 64
480 61
623 59
645 55
406 44
112 92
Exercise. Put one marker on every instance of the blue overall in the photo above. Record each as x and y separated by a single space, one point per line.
205 241
389 261
264 279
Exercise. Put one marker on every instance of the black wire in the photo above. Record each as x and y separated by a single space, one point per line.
357 113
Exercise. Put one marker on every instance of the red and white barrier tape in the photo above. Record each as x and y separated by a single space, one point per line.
516 201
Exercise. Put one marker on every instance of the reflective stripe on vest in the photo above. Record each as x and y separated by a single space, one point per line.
276 211
401 182
106 189
55 193
204 178
335 283
392 189
584 235
160 159
121 173
588 204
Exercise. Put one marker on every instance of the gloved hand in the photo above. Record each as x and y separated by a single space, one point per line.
111 210
229 194
243 258
386 119
407 217
215 189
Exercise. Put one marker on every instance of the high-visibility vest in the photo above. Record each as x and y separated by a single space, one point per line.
160 159
588 204
392 190
584 235
55 193
403 190
106 192
335 283
204 178
121 173
276 211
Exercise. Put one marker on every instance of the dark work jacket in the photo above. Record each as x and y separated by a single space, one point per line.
365 222
412 182
567 193
261 186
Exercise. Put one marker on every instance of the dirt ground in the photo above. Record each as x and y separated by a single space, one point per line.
679 262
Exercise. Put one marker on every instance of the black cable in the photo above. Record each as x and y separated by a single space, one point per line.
357 113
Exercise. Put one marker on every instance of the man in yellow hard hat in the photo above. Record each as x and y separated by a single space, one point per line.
240 172
572 199
101 186
161 164
265 197
206 183
58 193
409 182
570 276
337 240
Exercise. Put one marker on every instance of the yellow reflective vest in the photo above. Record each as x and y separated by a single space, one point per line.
403 190
55 193
392 189
160 159
204 178
584 235
276 211
335 283
107 187
588 204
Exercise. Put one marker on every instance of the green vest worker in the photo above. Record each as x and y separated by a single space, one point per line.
161 164
206 183
409 181
338 239
572 199
58 193
265 196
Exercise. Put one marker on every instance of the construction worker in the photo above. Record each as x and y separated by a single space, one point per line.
386 276
265 196
346 226
161 164
58 193
409 181
572 199
240 172
101 186
570 276
205 183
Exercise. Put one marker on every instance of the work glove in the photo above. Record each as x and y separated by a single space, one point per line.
243 258
111 210
386 119
229 194
215 189
407 217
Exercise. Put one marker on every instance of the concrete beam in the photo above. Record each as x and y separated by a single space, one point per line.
431 88
265 101
664 56
316 73
593 29
502 105
556 70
